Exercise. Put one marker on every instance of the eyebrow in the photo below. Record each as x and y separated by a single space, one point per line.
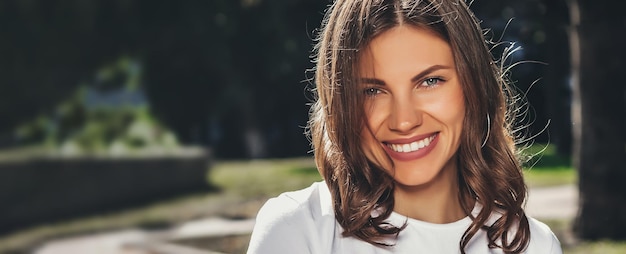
415 78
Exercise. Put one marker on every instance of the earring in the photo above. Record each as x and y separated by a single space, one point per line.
488 128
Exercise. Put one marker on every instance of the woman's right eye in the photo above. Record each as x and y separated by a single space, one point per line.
371 91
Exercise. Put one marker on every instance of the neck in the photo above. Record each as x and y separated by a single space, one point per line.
434 202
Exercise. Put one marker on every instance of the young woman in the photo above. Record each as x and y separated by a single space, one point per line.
411 133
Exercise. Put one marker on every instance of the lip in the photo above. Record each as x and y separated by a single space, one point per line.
410 140
411 155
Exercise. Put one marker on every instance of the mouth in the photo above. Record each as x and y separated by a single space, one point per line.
412 146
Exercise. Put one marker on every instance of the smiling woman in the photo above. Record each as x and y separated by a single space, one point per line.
411 133
416 115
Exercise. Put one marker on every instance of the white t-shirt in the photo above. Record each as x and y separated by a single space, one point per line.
304 222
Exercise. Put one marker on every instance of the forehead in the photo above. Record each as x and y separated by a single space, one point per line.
403 47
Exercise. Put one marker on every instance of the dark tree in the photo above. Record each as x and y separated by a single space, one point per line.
555 84
226 74
600 149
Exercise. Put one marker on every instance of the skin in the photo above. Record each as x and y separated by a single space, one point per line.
413 93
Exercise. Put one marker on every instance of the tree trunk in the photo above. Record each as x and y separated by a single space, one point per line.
600 149
556 86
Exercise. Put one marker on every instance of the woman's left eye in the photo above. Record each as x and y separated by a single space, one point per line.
431 81
371 92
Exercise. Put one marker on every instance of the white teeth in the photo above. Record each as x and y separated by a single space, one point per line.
406 147
413 146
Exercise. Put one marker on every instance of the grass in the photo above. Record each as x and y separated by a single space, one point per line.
600 247
243 186
547 168
546 178
264 178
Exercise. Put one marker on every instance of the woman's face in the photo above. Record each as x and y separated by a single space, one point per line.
414 105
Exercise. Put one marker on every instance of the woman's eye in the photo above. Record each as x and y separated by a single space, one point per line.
432 81
371 91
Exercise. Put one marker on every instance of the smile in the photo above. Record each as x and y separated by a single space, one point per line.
413 146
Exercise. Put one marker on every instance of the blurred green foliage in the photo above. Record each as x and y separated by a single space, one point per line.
545 157
88 124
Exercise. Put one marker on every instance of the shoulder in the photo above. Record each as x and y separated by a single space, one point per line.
294 204
542 239
289 222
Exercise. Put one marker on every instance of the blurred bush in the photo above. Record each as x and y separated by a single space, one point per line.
108 116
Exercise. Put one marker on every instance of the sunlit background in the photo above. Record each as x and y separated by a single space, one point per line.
162 126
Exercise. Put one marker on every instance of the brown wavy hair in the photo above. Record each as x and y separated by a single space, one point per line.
489 173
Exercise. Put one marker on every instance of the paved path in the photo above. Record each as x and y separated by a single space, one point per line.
543 203
104 243
153 242
559 202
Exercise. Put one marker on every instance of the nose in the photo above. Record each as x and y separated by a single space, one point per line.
405 116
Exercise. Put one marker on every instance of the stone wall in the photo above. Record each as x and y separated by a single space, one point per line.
47 189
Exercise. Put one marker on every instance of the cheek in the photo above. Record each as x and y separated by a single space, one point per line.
458 109
373 150
455 112
375 114
449 109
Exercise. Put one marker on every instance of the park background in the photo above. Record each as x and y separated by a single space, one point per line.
205 103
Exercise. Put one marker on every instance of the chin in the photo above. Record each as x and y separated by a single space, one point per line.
413 178
424 174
